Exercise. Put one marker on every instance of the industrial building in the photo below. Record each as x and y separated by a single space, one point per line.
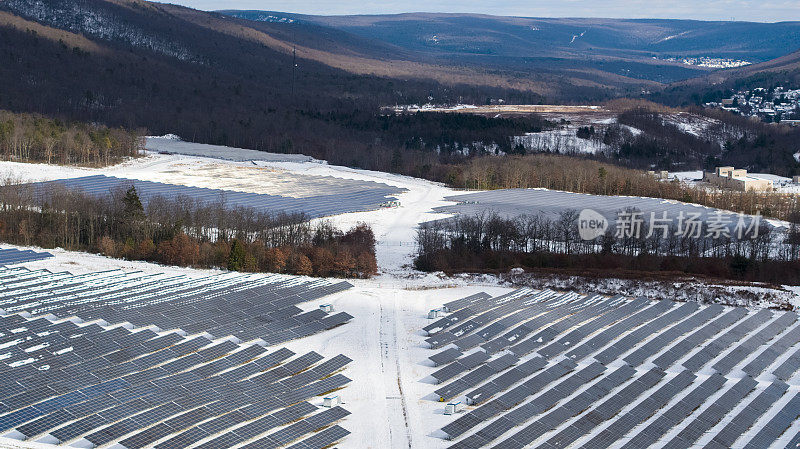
736 179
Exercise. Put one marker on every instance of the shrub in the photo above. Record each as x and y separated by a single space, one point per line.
299 264
107 247
274 260
145 249
180 250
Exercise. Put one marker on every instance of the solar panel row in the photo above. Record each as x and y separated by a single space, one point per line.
194 380
550 203
367 196
10 256
584 371
244 306
140 386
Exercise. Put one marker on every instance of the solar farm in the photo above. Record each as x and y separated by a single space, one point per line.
97 352
175 146
369 195
149 360
541 369
550 203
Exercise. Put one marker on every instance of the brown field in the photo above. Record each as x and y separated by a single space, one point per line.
515 109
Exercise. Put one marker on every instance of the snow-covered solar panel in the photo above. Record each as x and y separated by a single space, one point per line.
240 305
359 197
11 256
597 373
108 384
173 145
550 203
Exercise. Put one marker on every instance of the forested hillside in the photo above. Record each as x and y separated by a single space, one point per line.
783 71
594 48
205 77
317 88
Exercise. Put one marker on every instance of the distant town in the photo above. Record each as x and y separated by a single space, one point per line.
717 63
771 105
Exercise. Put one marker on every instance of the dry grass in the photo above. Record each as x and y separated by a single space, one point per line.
69 39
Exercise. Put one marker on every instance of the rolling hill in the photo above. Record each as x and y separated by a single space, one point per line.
314 85
783 71
215 79
639 49
786 67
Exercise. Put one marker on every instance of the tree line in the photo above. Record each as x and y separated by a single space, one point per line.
581 175
494 243
36 138
182 231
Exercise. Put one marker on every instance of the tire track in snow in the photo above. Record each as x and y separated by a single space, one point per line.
390 367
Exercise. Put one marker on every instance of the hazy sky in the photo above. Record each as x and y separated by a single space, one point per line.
754 10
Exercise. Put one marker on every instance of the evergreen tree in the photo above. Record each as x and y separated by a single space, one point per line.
237 258
133 209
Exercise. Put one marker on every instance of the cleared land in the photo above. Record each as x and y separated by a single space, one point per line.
391 396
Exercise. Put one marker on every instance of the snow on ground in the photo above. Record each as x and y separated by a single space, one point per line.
390 400
252 177
690 123
796 290
384 339
395 227
784 184
390 397
562 141
687 176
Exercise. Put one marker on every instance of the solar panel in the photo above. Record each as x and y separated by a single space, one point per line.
113 384
550 203
323 439
364 195
558 404
777 425
11 256
747 347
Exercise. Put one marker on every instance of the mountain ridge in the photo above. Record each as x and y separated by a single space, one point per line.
480 33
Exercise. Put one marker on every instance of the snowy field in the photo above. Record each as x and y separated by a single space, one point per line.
564 139
391 395
172 144
261 177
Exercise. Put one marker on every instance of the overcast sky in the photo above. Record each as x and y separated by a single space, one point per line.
753 10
